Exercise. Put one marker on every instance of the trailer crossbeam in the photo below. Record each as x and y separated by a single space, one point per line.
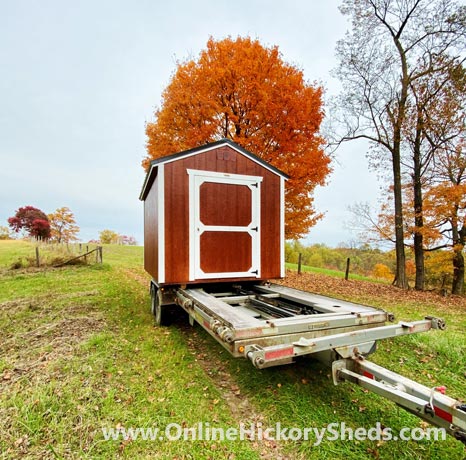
281 354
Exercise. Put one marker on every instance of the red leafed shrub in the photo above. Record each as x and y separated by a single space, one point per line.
32 220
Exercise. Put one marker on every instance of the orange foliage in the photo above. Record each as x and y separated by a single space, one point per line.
382 271
438 266
63 225
447 201
240 90
410 269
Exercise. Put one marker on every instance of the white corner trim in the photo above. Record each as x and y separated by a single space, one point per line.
161 221
282 227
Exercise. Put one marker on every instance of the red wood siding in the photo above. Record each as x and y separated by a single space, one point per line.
151 234
225 204
226 160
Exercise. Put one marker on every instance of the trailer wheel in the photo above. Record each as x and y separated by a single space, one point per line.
157 307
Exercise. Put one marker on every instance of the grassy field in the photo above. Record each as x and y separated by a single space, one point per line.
334 273
79 353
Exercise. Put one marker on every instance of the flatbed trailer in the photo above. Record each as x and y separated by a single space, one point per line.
214 234
272 325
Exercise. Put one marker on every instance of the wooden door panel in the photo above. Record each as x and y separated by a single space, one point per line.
225 204
224 252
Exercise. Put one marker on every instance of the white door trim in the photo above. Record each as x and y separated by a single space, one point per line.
196 227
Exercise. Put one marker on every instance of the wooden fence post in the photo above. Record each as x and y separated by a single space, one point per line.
347 268
299 263
37 256
100 252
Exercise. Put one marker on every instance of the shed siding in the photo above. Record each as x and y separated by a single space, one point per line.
151 234
224 160
270 221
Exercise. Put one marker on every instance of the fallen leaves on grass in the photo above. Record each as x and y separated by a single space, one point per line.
386 295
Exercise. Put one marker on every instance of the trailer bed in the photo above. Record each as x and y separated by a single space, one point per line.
273 324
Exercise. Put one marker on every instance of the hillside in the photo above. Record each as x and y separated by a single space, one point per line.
80 354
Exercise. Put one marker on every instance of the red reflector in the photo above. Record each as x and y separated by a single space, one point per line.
443 414
206 324
368 375
281 353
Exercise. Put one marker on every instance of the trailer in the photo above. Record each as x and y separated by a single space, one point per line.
214 233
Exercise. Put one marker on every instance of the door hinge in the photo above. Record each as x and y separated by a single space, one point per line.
255 272
256 229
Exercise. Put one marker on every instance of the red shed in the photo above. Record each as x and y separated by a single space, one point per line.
213 213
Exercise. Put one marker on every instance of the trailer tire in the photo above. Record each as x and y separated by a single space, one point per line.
157 308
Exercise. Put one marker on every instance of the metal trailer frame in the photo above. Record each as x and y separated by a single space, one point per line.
272 325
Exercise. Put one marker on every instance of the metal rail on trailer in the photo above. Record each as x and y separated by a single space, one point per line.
272 325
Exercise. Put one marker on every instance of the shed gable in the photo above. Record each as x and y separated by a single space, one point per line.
226 150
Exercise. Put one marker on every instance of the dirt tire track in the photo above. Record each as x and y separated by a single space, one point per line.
241 408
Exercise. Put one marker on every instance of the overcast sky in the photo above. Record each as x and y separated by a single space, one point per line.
79 80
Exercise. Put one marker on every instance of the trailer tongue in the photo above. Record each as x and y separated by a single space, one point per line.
274 325
430 404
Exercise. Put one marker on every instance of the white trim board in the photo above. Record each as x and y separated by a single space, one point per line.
197 228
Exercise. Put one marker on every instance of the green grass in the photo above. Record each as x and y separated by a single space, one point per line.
334 273
80 353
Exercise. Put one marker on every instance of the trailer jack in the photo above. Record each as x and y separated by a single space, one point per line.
429 404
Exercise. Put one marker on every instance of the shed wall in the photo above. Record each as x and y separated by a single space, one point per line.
176 191
151 231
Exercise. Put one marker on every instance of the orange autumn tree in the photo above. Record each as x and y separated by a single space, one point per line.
241 90
63 225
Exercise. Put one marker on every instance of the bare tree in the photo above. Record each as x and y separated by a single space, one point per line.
379 61
434 123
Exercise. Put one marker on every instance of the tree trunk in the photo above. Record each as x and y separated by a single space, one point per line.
398 123
419 261
459 240
418 215
458 273
400 273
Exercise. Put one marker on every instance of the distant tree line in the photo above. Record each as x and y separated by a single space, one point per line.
111 237
59 226
369 261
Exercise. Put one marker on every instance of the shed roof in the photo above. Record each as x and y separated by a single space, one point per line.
203 148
